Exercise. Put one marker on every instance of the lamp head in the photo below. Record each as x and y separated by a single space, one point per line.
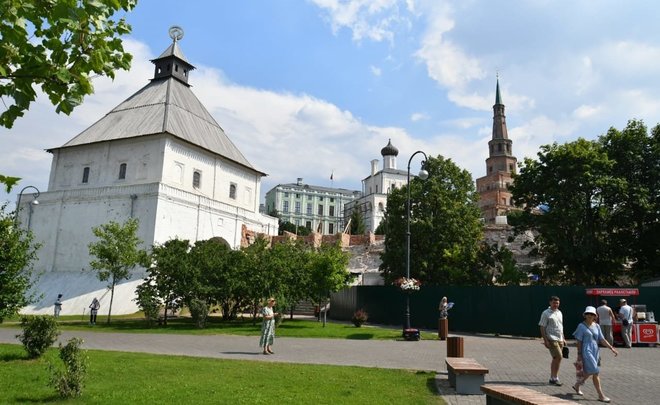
35 202
423 174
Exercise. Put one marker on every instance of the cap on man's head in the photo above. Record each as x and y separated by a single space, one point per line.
622 300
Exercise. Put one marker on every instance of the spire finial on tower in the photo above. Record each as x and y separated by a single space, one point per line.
498 98
176 33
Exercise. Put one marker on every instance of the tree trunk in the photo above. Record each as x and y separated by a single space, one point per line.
112 296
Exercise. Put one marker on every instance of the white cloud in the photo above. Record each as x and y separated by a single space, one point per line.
375 20
376 71
586 111
445 61
419 117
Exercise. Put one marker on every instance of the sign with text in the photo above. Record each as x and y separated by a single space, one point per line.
613 292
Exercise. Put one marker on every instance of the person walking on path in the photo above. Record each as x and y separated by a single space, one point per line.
552 332
57 306
268 327
606 320
588 335
94 307
626 317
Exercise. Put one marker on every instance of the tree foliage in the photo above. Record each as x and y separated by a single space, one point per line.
594 206
17 253
117 253
294 229
636 213
357 223
445 230
59 46
166 277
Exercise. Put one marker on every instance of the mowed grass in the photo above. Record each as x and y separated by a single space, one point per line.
135 378
304 328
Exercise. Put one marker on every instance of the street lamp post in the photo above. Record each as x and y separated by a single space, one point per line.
423 174
33 202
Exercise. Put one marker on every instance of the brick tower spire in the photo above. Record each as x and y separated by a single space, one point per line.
493 188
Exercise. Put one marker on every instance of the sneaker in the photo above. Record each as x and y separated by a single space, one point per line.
577 390
604 399
555 382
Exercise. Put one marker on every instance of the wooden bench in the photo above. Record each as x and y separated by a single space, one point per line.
501 394
465 375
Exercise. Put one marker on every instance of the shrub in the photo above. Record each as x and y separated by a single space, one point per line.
359 317
39 333
199 311
69 382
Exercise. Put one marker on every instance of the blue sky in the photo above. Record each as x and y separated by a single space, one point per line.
305 88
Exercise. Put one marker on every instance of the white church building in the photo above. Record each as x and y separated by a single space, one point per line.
375 188
159 156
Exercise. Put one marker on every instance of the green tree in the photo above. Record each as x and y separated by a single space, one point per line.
257 266
636 207
169 271
288 269
59 46
357 223
117 253
445 227
9 182
295 229
217 277
568 195
328 272
17 253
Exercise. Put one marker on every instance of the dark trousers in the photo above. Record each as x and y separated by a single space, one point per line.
92 317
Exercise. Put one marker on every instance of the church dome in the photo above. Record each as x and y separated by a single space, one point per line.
389 150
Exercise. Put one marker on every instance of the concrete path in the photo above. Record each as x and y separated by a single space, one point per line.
631 378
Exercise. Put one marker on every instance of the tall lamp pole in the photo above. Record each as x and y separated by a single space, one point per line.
33 202
423 174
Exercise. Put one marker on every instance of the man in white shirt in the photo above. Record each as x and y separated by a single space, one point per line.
626 317
552 332
606 320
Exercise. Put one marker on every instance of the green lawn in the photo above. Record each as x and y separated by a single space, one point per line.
134 378
244 327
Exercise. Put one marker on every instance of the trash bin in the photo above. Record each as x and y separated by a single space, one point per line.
443 328
454 346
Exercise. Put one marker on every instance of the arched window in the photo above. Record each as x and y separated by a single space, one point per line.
122 171
232 191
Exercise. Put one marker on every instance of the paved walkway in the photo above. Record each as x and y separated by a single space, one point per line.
631 378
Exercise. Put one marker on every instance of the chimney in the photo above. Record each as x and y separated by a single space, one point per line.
374 166
299 182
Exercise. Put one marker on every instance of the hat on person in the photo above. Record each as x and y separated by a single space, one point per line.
622 300
589 310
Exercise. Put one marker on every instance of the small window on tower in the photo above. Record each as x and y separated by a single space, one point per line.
122 171
499 147
232 191
197 179
85 178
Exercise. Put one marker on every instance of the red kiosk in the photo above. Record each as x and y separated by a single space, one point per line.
645 328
